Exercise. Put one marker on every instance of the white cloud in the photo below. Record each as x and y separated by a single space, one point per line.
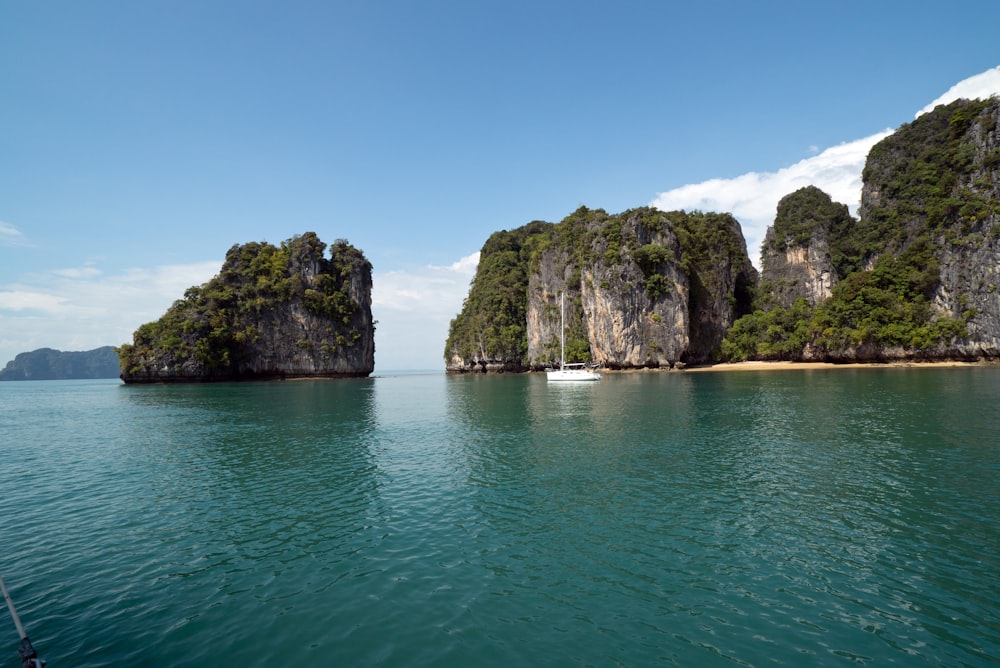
425 288
414 307
26 299
980 86
78 272
753 197
81 308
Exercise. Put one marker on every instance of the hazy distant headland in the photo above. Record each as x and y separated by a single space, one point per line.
49 364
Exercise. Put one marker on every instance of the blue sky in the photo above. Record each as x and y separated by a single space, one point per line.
139 141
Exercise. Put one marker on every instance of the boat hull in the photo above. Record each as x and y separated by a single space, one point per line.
572 375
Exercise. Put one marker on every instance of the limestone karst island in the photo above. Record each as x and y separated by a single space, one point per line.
271 312
914 277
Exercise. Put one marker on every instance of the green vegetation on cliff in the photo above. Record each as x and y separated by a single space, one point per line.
886 307
216 324
929 178
710 241
809 211
493 318
925 185
493 322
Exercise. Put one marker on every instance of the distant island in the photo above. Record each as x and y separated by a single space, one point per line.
271 312
913 278
49 364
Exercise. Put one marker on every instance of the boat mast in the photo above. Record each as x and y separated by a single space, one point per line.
562 330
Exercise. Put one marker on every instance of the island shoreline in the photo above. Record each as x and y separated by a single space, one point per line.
724 367
812 366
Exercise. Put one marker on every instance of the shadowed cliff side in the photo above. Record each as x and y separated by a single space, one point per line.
271 312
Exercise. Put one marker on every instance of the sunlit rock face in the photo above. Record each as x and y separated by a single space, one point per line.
639 289
796 258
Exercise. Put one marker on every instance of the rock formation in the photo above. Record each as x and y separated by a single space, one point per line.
270 313
970 279
643 288
611 308
796 258
916 276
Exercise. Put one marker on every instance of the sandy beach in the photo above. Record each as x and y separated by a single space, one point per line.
785 366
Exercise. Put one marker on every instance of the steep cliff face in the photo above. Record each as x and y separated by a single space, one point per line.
800 272
620 313
714 256
270 313
643 288
489 334
796 257
970 289
938 178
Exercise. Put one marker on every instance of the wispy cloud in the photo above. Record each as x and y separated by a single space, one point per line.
29 299
11 236
78 272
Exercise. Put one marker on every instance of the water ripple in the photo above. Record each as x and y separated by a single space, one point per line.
747 519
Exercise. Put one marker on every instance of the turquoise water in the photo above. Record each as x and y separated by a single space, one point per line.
849 516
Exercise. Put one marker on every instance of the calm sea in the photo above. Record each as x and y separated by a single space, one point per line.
832 517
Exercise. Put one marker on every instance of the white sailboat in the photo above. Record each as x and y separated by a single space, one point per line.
569 372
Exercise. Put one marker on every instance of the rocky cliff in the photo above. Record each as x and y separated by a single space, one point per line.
796 256
644 288
938 178
271 312
618 314
914 277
